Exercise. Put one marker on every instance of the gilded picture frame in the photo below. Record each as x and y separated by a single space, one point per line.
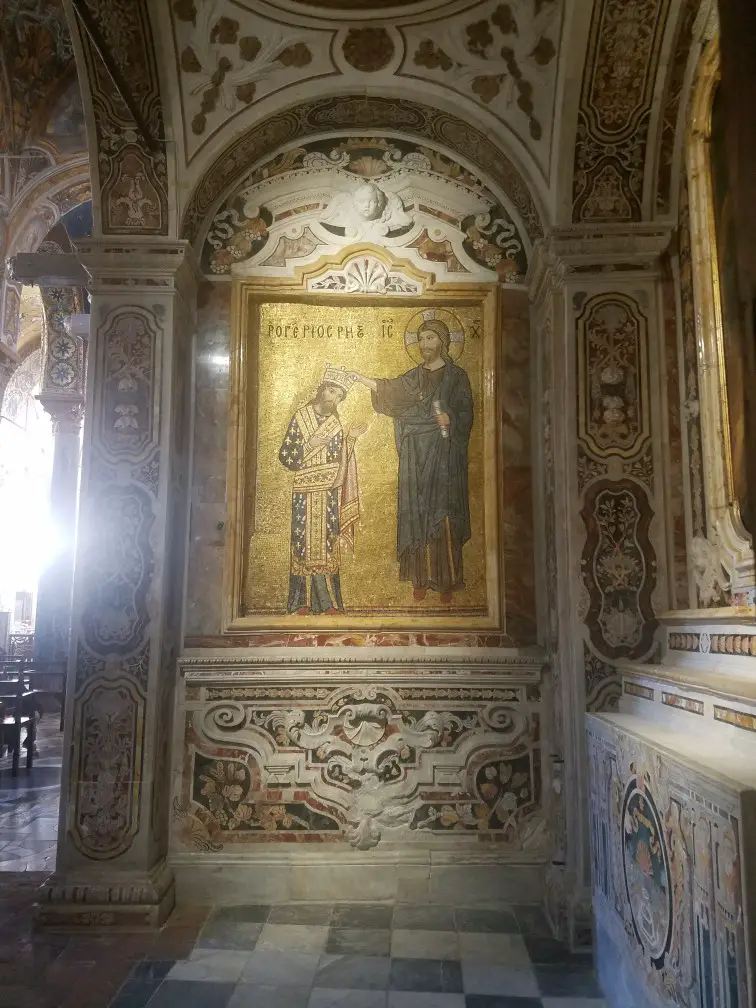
287 335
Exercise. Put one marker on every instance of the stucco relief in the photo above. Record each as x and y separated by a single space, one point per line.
330 193
500 56
365 115
358 763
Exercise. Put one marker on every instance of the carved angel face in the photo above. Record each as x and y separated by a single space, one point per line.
370 201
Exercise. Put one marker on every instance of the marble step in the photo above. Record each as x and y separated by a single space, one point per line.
693 700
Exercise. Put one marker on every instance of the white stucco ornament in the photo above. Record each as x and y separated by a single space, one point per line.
367 213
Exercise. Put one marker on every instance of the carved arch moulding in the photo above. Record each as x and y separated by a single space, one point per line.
322 195
129 169
362 115
722 551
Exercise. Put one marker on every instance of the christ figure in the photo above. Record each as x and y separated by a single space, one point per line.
432 408
324 497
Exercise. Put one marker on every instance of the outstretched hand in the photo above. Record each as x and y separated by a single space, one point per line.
363 380
357 431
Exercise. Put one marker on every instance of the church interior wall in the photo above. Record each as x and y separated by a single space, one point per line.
252 770
540 750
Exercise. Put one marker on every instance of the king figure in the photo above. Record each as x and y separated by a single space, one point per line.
324 498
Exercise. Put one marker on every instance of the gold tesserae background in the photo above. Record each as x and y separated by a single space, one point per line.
288 348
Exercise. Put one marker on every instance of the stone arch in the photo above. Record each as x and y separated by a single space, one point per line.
131 192
360 113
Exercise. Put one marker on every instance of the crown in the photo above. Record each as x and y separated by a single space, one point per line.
338 376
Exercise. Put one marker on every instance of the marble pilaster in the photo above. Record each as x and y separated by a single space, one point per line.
111 869
596 318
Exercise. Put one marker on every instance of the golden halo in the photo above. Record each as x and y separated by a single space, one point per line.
448 318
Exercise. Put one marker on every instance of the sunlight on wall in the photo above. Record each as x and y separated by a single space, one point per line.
26 457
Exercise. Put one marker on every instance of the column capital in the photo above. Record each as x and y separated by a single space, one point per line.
597 250
139 264
65 411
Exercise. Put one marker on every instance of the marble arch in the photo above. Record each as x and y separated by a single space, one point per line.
371 114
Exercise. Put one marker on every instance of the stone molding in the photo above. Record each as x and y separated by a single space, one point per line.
128 899
140 265
600 251
515 667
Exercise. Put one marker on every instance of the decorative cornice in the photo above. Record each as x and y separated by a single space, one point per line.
597 250
141 264
514 666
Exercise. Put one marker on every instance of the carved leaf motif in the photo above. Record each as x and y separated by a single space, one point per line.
185 10
479 37
504 20
297 55
487 88
189 61
249 47
544 51
429 55
246 92
225 31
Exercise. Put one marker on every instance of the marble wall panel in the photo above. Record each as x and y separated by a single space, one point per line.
359 764
668 874
208 492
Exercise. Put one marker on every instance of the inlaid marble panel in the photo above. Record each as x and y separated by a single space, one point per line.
670 850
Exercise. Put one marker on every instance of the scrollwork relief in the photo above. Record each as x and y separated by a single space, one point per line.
362 763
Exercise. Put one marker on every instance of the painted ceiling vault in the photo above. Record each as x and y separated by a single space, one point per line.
238 60
565 111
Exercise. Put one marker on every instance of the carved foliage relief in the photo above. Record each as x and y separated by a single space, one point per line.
616 486
371 115
501 56
359 764
313 198
615 108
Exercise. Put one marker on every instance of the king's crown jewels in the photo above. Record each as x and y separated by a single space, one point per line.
338 376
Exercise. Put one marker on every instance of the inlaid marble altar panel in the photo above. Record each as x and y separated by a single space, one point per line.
406 753
670 853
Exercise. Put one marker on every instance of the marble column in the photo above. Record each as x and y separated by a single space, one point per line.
597 323
62 396
128 581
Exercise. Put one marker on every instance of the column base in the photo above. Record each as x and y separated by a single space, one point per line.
103 901
568 909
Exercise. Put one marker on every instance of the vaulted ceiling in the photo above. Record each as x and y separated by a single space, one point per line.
574 101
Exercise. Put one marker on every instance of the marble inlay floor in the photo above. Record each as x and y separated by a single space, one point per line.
29 804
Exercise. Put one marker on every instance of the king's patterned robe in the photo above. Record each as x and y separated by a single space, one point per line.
324 507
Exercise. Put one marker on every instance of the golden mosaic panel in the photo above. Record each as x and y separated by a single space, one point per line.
310 518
